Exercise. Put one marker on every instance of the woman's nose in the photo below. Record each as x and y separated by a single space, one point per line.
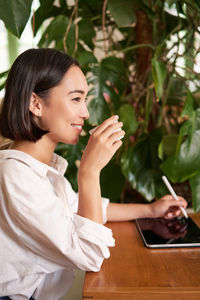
85 112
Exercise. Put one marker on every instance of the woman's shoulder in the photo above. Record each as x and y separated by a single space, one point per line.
17 174
12 164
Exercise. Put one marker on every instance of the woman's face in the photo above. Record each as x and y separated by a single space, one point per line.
64 111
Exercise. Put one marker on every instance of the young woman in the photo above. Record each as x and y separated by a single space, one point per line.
46 229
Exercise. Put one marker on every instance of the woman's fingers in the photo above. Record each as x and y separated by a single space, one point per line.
104 141
109 130
117 145
173 212
116 136
174 206
168 207
180 202
99 129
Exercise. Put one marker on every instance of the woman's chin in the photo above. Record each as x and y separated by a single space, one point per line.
71 142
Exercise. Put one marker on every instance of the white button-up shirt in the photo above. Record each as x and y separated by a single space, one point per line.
42 239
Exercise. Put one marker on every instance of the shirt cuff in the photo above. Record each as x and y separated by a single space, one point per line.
94 232
105 203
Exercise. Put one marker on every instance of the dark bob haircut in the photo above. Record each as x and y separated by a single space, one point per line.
35 70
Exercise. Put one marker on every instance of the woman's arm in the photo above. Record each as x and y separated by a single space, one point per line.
165 207
90 204
102 145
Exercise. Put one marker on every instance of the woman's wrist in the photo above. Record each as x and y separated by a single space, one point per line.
150 210
90 203
147 210
88 172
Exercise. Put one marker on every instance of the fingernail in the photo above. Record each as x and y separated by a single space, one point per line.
121 137
92 130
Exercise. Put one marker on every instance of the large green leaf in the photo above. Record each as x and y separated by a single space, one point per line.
195 187
113 66
177 92
128 117
90 9
168 145
115 99
15 14
159 73
56 31
112 181
123 12
99 110
173 23
140 165
3 77
86 32
112 70
192 124
188 108
186 162
86 58
106 78
45 11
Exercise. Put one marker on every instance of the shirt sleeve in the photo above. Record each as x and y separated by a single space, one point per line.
37 217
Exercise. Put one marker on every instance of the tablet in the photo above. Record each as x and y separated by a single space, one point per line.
173 233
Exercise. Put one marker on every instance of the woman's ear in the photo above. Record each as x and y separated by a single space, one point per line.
35 105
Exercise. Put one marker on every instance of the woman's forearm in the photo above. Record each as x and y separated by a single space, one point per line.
102 145
127 211
166 207
90 203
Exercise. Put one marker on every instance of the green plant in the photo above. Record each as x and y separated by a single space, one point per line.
140 59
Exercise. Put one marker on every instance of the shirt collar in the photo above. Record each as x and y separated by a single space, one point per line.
58 163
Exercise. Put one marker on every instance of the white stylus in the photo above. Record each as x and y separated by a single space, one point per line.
168 185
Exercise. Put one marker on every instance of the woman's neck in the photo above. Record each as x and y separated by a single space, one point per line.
41 150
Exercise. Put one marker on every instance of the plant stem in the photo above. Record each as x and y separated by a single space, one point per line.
136 47
161 115
147 108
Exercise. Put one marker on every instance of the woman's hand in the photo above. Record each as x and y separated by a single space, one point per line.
167 207
102 145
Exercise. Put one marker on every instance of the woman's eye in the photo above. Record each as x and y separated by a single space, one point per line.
77 99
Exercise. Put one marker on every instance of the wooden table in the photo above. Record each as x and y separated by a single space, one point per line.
135 272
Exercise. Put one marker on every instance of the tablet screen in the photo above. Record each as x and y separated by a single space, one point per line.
162 233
